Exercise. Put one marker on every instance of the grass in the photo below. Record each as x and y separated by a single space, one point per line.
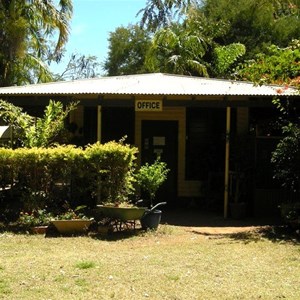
173 263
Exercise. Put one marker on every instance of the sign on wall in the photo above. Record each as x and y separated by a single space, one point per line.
148 105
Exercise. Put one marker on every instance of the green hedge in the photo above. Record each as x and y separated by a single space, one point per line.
40 177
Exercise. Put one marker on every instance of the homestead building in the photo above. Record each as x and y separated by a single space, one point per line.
213 134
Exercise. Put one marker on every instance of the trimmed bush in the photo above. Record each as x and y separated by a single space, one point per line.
51 177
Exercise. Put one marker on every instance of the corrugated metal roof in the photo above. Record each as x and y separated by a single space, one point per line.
149 84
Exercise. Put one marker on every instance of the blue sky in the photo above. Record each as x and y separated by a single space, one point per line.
91 23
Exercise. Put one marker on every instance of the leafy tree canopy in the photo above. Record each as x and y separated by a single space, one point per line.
26 38
128 47
281 66
253 23
160 13
276 65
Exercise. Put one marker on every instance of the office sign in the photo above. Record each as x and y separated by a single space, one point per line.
148 105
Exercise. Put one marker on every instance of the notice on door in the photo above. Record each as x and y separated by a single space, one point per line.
148 105
159 141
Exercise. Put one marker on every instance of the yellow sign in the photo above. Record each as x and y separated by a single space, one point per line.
148 105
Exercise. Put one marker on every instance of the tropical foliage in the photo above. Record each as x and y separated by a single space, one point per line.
286 158
128 47
281 66
33 131
253 23
26 38
204 38
276 65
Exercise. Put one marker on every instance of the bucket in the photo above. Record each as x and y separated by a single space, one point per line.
151 219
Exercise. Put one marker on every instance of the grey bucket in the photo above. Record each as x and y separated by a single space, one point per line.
151 219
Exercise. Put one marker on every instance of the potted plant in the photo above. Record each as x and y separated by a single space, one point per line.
37 220
150 177
72 221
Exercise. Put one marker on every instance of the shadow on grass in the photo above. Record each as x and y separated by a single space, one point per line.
118 235
276 234
92 233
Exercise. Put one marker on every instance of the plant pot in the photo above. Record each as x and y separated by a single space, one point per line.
72 226
151 219
39 229
238 210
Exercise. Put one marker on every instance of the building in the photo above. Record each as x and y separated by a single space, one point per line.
212 133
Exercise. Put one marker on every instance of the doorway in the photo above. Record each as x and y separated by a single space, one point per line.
160 140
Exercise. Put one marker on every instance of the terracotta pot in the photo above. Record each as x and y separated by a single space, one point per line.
39 229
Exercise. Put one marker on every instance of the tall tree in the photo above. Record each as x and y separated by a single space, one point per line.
80 66
255 23
177 50
160 13
128 47
276 65
26 38
281 66
189 48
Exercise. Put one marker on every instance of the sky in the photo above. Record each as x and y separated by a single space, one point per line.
91 24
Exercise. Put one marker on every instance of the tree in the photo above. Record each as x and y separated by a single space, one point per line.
32 131
190 48
80 67
127 51
276 65
179 51
212 36
160 13
281 66
255 23
286 157
27 29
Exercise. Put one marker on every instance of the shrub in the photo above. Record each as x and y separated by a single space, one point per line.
41 177
151 177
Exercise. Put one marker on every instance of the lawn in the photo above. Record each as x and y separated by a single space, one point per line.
172 263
